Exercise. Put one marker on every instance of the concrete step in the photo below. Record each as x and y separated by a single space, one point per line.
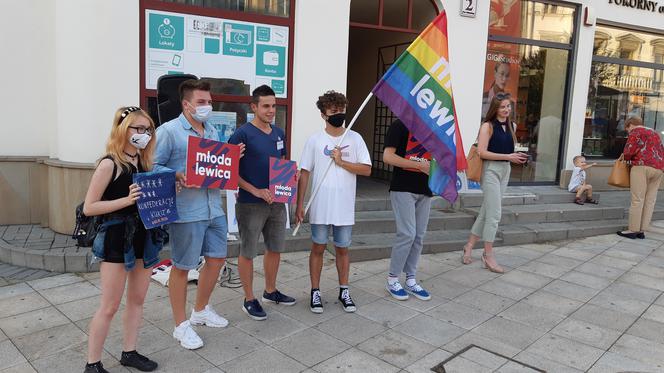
552 213
470 200
383 203
541 232
368 222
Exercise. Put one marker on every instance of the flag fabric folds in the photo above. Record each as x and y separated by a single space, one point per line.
417 88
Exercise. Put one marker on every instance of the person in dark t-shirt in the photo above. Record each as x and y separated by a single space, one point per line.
256 211
411 202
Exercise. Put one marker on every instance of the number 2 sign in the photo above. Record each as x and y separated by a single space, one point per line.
468 8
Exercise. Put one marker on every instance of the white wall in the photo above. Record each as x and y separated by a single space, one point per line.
467 55
28 84
68 65
319 63
97 71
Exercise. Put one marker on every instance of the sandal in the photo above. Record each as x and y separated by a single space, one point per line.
593 201
492 268
466 259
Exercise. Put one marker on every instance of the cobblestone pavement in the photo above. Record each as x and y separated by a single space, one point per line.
587 305
10 274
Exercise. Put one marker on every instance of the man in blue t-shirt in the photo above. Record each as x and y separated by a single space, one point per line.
255 210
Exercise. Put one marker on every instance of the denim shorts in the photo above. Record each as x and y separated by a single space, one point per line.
191 240
340 233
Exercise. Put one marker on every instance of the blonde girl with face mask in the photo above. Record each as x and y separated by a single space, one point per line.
126 249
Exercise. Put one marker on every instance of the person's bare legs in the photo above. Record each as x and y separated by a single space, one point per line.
246 268
177 292
316 264
138 281
207 280
343 265
113 277
271 267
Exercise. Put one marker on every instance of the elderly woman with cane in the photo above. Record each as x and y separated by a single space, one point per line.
645 152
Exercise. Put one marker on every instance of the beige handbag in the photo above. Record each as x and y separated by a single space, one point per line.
619 176
474 170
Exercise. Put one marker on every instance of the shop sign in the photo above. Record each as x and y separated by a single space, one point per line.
647 5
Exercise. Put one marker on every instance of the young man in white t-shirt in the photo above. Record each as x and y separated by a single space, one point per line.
334 205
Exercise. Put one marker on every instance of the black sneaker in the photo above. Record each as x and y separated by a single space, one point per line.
316 304
97 367
254 310
135 360
278 298
346 300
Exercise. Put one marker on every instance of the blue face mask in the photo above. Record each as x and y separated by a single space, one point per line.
202 113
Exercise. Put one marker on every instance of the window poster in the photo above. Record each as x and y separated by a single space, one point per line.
218 48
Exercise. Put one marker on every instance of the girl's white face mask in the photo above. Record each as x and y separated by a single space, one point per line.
140 140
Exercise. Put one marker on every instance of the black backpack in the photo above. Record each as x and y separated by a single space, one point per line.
86 227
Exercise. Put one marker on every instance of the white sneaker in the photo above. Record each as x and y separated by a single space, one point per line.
187 336
208 317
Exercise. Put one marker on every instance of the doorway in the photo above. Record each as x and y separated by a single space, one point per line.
380 30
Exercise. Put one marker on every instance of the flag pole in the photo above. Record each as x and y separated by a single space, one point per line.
329 165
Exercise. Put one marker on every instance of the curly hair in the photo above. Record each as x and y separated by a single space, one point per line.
331 99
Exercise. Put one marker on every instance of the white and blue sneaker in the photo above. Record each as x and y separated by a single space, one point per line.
396 291
418 292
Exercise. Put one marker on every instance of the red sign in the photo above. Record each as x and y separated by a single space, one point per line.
283 180
416 152
212 164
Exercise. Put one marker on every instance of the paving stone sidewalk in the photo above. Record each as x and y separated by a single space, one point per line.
588 305
10 274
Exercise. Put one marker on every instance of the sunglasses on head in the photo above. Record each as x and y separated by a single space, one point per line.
503 96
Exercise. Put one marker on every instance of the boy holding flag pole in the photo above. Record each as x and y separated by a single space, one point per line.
417 88
335 207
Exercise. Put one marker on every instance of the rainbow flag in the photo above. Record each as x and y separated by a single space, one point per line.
417 89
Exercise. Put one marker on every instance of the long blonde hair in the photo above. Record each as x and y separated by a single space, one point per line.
125 117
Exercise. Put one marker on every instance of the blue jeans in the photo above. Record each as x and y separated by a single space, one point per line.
341 234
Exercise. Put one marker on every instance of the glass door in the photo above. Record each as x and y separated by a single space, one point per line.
529 54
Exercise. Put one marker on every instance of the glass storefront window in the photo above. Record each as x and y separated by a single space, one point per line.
626 79
534 77
629 44
617 92
532 20
279 8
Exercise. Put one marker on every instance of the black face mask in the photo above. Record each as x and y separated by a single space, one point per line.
337 120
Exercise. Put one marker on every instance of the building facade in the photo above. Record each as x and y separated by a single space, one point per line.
574 70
